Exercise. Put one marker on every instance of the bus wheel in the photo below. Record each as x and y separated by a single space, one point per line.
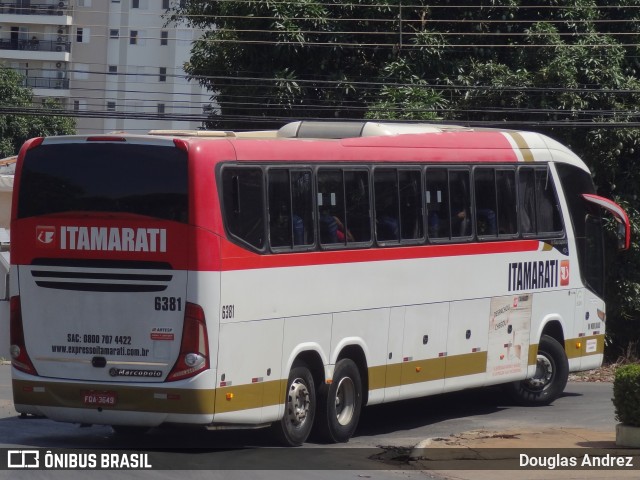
340 403
299 408
552 372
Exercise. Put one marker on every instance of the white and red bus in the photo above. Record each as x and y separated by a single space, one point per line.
289 278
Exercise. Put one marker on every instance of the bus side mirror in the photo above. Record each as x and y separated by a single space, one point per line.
624 226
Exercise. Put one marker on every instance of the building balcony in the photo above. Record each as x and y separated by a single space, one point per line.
36 45
32 50
46 83
56 13
27 8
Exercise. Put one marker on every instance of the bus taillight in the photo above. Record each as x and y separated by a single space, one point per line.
194 348
18 350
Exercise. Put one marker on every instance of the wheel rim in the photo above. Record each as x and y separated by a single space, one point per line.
345 401
298 403
544 374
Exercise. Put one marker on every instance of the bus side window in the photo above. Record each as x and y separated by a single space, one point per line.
486 202
357 203
279 208
411 216
302 207
507 202
547 208
527 198
290 208
460 198
437 200
539 210
243 199
398 205
386 204
331 207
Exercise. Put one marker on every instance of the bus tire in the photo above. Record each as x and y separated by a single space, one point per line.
550 379
339 404
294 427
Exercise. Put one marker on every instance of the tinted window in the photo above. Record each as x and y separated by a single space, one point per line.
437 198
279 208
302 207
486 202
547 209
343 206
290 208
540 213
105 177
398 204
495 202
507 202
331 207
243 203
386 203
411 216
358 211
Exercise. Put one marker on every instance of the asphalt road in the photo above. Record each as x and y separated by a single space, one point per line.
400 425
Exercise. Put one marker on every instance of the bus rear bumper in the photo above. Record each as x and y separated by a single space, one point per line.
119 417
150 404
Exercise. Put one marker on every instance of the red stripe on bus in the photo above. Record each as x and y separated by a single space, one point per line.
332 257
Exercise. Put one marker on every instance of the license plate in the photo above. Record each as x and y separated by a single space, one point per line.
95 398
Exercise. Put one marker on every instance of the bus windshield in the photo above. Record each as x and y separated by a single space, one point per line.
147 180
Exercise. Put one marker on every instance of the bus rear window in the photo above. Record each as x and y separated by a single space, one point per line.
147 180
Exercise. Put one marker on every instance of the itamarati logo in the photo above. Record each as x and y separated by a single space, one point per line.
46 235
108 239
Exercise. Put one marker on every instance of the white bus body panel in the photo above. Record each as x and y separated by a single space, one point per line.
75 326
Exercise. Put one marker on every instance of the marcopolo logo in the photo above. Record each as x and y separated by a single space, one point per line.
126 372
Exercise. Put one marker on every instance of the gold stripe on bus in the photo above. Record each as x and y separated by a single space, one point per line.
466 364
378 376
546 247
406 373
417 371
141 399
252 395
527 156
422 371
533 354
577 347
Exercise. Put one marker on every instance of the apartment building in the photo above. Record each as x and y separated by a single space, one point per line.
114 63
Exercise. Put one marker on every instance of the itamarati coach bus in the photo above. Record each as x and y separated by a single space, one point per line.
289 278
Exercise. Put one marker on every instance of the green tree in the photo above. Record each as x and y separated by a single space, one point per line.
567 68
20 119
267 61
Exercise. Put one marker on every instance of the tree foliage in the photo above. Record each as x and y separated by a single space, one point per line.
16 128
567 68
